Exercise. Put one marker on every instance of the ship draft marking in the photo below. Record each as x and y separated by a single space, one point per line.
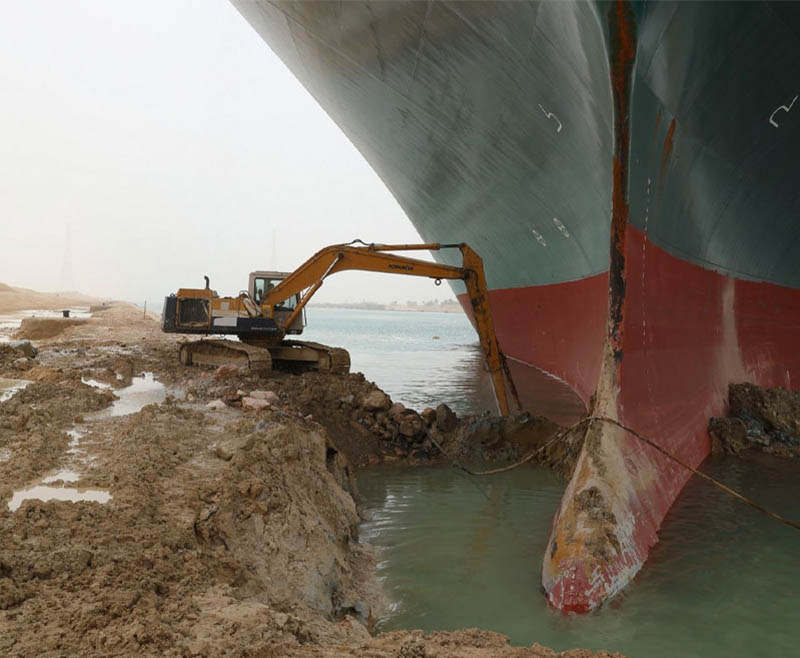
560 226
771 116
550 115
539 238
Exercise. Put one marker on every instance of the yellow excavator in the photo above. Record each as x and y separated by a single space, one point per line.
273 307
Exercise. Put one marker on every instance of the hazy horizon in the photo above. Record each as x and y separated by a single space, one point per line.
171 143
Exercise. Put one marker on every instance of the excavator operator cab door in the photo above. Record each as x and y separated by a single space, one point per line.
261 283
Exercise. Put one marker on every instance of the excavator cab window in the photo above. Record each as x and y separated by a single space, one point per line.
264 285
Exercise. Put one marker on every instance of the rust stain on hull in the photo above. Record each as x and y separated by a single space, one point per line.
590 556
622 31
666 153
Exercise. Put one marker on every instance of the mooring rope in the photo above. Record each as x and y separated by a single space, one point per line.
633 432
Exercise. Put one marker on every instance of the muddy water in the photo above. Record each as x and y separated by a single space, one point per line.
723 581
9 322
8 387
143 390
45 493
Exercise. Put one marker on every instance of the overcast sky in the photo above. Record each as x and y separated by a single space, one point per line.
173 143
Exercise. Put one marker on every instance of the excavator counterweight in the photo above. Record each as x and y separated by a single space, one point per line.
274 304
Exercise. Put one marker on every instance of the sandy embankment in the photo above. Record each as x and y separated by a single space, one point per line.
230 532
20 299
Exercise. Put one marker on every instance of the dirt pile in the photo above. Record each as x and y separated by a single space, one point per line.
226 538
762 419
39 328
12 359
369 428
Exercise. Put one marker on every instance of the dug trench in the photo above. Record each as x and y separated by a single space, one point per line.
232 524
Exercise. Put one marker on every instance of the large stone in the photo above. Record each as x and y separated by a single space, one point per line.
429 416
22 363
254 403
396 411
216 404
728 435
411 424
446 420
269 396
25 347
376 401
226 371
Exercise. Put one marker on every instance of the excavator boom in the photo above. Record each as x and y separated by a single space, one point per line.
310 276
262 319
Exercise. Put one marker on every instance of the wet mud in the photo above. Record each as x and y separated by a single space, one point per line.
230 527
759 419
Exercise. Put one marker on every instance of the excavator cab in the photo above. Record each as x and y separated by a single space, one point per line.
261 283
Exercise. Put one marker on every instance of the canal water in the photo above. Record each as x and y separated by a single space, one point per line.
418 358
458 551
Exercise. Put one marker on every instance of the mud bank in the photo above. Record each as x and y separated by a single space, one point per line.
759 419
230 531
369 428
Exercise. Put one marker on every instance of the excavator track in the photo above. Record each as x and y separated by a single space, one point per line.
262 359
330 359
226 352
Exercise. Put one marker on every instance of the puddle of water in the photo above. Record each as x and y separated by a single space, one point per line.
75 436
10 321
95 383
64 476
8 387
46 493
143 391
78 454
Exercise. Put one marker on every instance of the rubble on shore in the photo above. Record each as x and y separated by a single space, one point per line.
760 419
369 428
232 524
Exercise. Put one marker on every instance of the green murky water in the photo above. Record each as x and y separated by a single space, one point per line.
460 551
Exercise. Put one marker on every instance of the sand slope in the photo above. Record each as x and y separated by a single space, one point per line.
20 299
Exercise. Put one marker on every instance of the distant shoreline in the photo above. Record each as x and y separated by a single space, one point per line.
373 306
22 299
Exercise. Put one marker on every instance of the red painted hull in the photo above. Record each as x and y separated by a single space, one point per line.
687 333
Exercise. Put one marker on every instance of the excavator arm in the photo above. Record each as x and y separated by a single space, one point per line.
310 276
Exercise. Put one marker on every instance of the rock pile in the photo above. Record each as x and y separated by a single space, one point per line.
17 355
368 427
763 419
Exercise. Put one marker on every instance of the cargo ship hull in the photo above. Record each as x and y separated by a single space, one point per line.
626 172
